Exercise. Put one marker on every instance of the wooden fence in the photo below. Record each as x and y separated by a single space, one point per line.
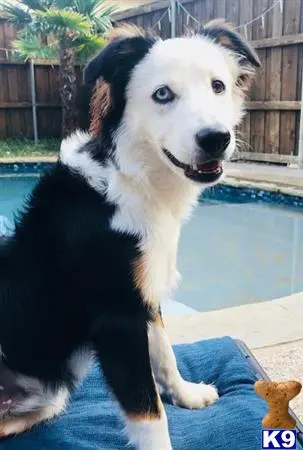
271 128
16 118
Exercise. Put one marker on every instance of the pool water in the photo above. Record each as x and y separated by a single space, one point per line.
13 192
230 254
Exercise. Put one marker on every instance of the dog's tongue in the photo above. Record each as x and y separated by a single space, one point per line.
209 167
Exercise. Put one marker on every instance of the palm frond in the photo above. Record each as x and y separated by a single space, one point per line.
61 22
78 23
104 8
31 47
20 11
97 11
63 4
87 7
87 46
16 12
33 4
101 16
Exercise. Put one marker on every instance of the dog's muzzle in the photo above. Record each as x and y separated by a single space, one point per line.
212 144
208 172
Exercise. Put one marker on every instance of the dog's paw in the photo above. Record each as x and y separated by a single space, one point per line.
195 396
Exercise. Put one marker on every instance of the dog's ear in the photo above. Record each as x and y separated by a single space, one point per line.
247 59
224 34
127 46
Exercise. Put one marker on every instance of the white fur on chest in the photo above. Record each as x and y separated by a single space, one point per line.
160 254
158 232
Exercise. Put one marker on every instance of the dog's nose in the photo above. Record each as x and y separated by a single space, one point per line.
212 141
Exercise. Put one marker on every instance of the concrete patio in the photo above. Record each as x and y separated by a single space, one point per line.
288 180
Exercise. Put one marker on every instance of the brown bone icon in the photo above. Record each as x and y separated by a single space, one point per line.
278 396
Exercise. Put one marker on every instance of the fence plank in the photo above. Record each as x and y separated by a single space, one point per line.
210 12
233 11
2 40
13 92
268 157
289 77
274 106
281 41
10 34
2 125
3 97
259 91
299 115
196 10
273 85
141 10
220 8
246 14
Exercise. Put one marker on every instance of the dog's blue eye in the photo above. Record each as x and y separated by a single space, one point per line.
218 86
163 95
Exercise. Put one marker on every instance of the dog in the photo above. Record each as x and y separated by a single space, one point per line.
94 251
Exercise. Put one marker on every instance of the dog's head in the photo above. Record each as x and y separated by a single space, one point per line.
181 99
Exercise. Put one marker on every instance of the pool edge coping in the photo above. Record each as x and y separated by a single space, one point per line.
28 159
263 186
260 325
229 180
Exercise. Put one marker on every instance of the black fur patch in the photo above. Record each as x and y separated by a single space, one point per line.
63 270
115 64
122 343
233 41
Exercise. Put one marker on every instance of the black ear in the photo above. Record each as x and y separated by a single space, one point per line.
117 59
223 34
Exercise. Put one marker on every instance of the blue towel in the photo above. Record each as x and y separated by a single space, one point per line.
92 421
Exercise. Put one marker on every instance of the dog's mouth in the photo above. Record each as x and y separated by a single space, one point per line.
201 173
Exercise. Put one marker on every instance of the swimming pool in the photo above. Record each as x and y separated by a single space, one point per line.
232 252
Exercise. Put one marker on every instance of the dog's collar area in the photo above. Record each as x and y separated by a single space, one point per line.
201 173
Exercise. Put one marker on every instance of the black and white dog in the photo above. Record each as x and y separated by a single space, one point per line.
94 252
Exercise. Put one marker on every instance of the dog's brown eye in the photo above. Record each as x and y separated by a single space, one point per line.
218 86
163 95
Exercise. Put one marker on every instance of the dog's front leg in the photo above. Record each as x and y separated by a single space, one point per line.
121 343
164 365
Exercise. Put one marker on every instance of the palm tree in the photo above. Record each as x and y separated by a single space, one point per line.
68 30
